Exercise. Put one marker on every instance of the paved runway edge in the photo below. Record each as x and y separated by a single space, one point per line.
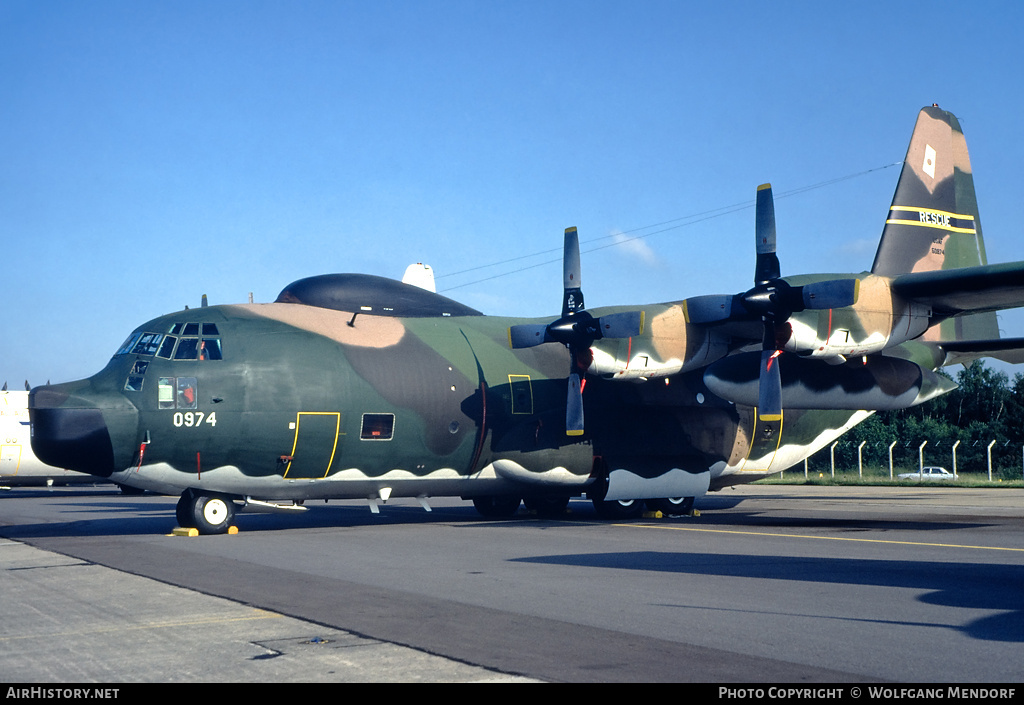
507 642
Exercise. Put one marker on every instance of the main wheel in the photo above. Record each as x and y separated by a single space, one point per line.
496 507
672 506
212 514
618 508
547 505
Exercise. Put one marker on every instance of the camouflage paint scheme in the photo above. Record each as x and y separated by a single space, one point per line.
351 386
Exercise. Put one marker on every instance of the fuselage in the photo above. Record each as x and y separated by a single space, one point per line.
291 401
353 385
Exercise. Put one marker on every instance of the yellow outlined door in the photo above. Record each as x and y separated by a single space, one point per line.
10 460
521 389
317 436
765 438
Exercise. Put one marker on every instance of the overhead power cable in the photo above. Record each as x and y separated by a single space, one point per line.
663 227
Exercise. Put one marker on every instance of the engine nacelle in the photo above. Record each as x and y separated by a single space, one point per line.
877 382
878 320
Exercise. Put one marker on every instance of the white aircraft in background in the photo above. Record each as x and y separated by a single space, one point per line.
18 464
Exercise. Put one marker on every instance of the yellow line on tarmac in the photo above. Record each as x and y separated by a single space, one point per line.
819 538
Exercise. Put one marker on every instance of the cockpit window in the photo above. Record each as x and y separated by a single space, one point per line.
136 377
140 343
128 344
182 342
177 393
187 396
167 347
148 344
209 349
188 349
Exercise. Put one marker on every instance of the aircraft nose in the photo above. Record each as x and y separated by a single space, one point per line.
78 427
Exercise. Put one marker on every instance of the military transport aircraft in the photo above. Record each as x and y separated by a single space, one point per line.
355 386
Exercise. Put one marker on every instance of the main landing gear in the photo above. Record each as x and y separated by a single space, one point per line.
208 513
505 507
673 506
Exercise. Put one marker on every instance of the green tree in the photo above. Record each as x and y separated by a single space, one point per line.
985 407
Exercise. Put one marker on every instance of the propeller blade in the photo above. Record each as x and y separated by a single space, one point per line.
572 300
769 391
527 335
837 293
767 265
621 325
574 407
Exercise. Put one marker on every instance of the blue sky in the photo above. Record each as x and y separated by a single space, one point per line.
153 152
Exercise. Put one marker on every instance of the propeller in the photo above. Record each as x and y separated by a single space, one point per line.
577 330
762 299
774 300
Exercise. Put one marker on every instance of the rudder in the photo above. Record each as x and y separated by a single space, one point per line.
933 222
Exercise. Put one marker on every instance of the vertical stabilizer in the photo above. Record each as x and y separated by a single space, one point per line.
933 222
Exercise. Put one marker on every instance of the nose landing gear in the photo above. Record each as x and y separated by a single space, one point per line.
207 513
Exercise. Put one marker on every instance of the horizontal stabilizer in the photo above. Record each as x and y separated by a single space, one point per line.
952 292
1009 350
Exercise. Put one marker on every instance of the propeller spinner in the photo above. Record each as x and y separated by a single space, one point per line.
774 300
577 330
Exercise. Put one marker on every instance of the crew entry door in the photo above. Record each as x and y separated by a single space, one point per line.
317 444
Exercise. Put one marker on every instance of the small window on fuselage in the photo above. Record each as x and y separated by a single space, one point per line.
165 393
187 394
377 427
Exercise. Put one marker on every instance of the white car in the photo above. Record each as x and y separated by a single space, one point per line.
928 473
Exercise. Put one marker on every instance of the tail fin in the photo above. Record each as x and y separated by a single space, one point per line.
933 222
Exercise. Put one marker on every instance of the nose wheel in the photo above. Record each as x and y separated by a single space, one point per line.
208 513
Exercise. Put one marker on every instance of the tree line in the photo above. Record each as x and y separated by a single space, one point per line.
987 406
